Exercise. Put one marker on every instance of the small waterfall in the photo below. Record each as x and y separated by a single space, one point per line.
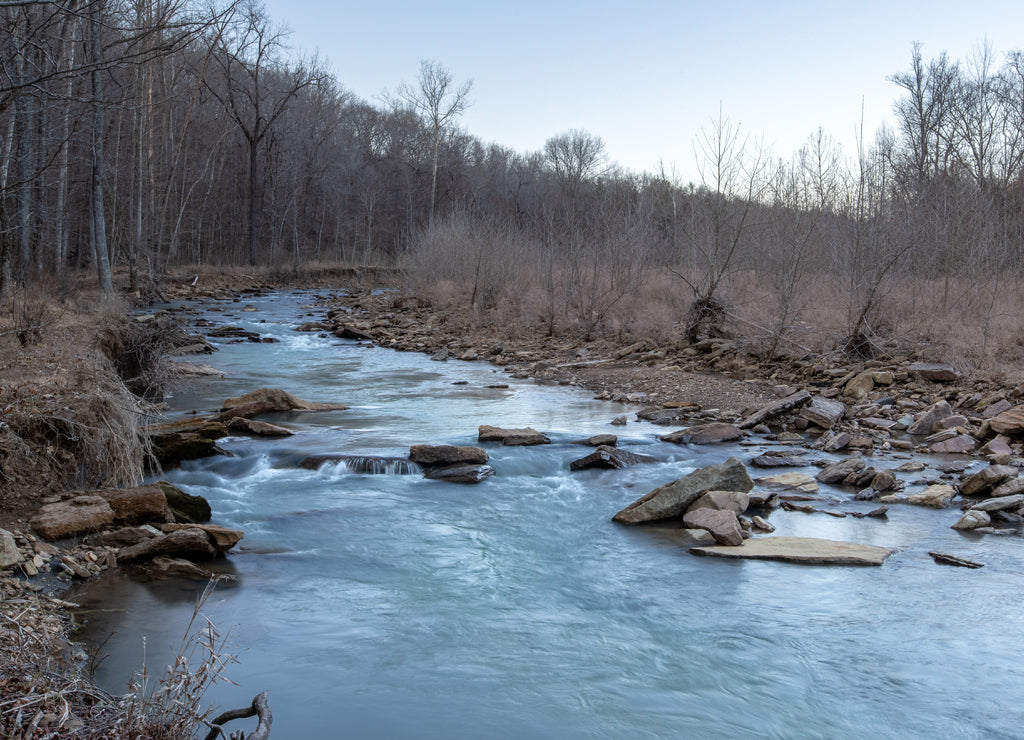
366 464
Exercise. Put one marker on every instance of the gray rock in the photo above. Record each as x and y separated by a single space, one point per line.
934 371
9 553
838 472
722 524
610 457
771 460
803 550
885 480
734 501
673 499
702 434
185 507
618 421
823 412
987 479
929 420
936 496
972 519
761 523
794 482
1001 503
600 440
961 444
997 408
512 437
1009 488
859 386
190 544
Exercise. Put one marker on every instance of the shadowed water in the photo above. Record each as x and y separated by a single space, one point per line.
390 606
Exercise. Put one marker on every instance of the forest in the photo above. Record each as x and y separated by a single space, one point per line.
140 136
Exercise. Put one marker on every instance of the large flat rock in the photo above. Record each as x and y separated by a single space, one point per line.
804 550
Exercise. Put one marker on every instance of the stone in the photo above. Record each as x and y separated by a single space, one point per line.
928 420
997 408
185 507
165 567
664 416
958 445
460 473
673 499
348 331
1001 503
987 480
1010 422
77 516
761 523
722 524
914 466
778 408
190 543
936 496
523 436
600 440
837 442
123 537
610 457
945 559
823 412
859 386
972 519
995 448
428 455
693 537
276 400
618 421
1009 488
185 440
9 553
934 371
838 472
883 377
802 550
257 428
799 482
138 505
734 501
777 460
222 538
702 434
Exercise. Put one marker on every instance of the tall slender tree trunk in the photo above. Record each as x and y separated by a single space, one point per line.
98 212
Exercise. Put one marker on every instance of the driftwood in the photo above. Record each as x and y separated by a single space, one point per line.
259 708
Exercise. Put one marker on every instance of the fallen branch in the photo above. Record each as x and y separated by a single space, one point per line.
259 708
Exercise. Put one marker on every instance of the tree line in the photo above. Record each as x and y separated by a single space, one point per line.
143 134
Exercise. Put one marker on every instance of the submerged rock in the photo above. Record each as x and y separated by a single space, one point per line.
459 473
802 550
673 499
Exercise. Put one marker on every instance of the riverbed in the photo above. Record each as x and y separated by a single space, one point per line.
390 606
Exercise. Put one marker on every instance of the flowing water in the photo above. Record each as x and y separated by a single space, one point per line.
382 605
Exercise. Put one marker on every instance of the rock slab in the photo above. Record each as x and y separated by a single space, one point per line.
802 550
673 499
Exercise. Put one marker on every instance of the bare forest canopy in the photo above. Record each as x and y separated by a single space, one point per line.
147 134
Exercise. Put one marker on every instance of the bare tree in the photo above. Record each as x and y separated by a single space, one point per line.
435 98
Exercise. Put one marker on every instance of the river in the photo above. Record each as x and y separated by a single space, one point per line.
390 606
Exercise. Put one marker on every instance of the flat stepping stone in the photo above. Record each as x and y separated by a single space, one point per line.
803 550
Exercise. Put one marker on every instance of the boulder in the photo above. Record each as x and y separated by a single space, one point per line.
277 400
673 499
512 437
777 408
777 460
184 506
164 567
71 518
185 440
803 550
348 331
722 524
459 473
838 472
610 457
929 420
958 445
823 412
987 480
1010 423
9 553
1009 488
734 501
934 371
761 523
692 537
123 537
138 505
702 434
431 455
972 519
665 416
190 544
1002 503
885 480
936 496
600 440
859 386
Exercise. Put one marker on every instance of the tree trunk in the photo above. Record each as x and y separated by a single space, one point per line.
98 212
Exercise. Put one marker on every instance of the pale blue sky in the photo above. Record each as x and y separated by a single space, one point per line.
648 75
